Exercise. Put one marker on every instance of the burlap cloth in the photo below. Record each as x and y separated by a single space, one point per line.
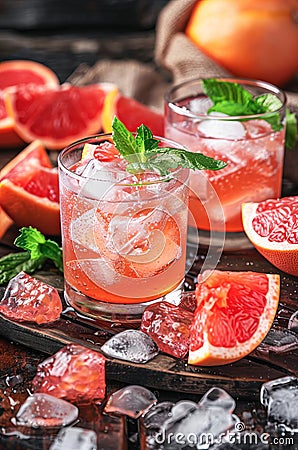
176 60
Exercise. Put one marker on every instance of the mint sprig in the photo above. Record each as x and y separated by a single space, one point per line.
232 99
144 153
38 250
34 242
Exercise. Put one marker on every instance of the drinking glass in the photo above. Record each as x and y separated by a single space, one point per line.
252 149
123 235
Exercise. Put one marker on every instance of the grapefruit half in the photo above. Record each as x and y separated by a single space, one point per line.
131 112
58 115
29 192
235 311
272 227
14 73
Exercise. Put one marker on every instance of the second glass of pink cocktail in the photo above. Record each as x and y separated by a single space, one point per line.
252 145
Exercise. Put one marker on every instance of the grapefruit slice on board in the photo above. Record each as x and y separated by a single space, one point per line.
272 227
131 112
57 116
29 192
14 73
235 311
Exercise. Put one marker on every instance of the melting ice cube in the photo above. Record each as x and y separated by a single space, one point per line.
96 182
43 410
75 373
132 401
75 438
168 326
157 415
280 398
200 105
131 345
191 424
217 397
221 129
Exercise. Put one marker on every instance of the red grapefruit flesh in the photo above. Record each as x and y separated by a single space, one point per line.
57 116
29 192
131 112
22 166
272 227
14 73
235 311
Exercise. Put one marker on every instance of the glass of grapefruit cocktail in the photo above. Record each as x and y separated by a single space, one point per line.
251 144
123 234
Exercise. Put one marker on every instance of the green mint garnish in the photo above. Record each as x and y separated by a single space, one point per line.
143 153
232 99
38 250
34 242
14 263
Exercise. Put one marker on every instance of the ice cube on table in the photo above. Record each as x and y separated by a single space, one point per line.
30 300
131 345
168 326
132 401
217 397
197 425
44 410
280 398
158 414
221 128
75 438
75 373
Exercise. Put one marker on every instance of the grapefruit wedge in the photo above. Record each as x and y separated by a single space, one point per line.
58 115
131 112
29 192
272 227
15 73
235 311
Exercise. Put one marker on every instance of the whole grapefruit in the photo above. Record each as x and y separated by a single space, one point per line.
249 38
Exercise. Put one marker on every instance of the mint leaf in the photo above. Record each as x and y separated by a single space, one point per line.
123 139
14 263
38 246
219 91
291 130
143 153
268 102
232 99
171 158
234 109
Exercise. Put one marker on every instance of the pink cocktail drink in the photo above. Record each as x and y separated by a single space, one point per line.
252 149
124 235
